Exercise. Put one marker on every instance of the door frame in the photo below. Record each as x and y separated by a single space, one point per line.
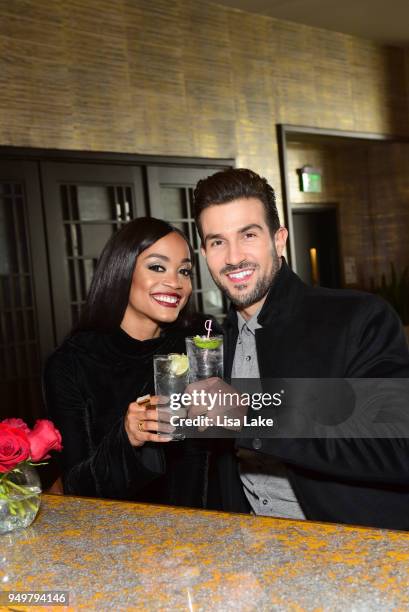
314 207
27 173
104 157
53 174
284 133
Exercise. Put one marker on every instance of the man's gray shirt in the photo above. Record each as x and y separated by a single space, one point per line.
264 479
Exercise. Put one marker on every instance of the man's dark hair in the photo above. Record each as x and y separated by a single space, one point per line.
231 184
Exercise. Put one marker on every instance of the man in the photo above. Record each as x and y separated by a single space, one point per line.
280 328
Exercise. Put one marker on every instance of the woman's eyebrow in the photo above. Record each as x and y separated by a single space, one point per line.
165 258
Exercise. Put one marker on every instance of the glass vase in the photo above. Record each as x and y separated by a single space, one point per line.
20 496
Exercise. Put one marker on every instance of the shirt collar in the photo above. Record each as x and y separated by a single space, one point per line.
251 324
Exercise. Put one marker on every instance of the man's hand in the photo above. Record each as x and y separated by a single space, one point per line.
217 400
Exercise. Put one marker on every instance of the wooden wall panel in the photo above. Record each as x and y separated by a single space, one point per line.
208 78
98 74
332 80
35 103
188 58
255 77
254 74
389 201
297 94
154 35
185 78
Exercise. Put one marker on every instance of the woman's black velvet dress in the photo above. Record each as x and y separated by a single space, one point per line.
89 382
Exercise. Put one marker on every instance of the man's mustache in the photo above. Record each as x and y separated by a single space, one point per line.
241 266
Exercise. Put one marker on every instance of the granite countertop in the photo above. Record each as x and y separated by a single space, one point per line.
116 556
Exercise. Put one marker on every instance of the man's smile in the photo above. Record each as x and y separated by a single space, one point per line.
240 275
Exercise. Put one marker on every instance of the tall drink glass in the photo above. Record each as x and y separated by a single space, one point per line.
171 375
205 357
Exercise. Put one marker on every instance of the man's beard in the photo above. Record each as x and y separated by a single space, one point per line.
263 284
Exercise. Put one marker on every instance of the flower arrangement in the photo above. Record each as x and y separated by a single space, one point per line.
21 448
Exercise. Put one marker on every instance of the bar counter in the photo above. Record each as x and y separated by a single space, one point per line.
118 556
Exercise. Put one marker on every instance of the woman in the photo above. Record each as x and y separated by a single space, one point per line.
136 308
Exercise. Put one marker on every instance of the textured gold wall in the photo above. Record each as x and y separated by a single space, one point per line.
388 199
185 78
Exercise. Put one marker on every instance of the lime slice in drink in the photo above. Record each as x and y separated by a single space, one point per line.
179 364
207 343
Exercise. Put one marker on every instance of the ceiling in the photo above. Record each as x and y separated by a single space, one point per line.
383 21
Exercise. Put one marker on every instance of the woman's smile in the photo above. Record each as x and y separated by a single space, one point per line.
168 300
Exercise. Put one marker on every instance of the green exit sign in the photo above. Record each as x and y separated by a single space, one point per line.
310 179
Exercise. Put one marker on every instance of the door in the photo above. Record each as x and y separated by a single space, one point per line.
26 328
316 245
85 204
171 198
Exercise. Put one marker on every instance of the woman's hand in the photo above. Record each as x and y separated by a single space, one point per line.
142 424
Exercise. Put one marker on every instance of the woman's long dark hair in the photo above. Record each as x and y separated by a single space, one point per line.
111 284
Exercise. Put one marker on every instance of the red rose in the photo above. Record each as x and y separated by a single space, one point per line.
18 424
14 447
43 438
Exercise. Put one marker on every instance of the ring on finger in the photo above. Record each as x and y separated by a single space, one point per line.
140 426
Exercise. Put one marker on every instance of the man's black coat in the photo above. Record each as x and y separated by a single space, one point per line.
325 333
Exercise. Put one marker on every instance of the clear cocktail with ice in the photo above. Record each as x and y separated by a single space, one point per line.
171 376
205 357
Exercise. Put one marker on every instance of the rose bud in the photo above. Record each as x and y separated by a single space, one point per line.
43 438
